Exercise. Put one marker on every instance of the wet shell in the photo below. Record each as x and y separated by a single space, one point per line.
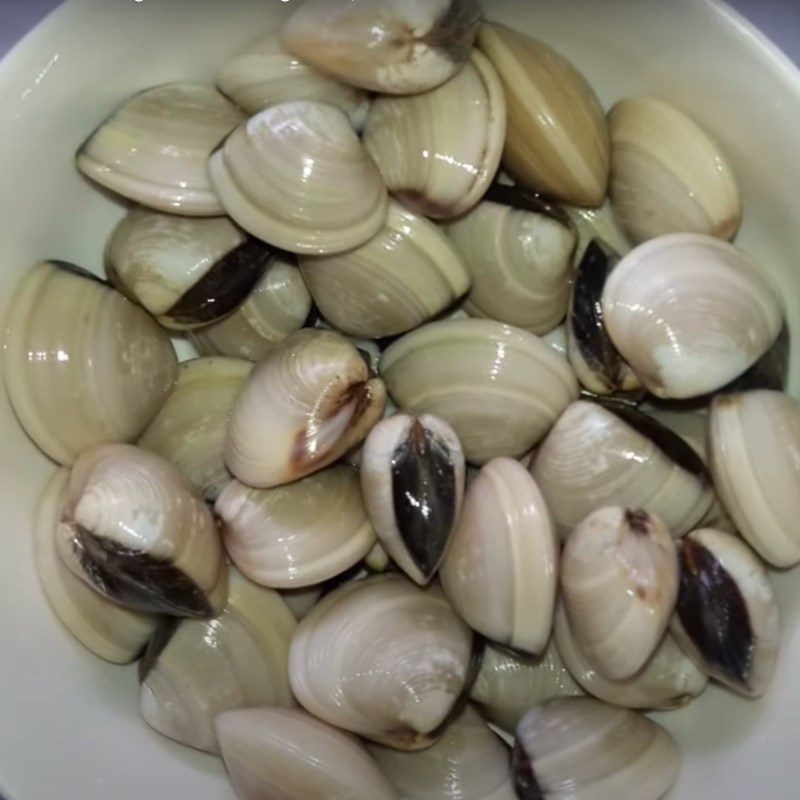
556 340
266 75
198 669
133 531
667 176
727 616
387 46
400 279
619 582
189 431
690 313
557 141
501 571
296 535
296 176
412 481
185 272
277 307
109 630
518 252
304 406
154 148
499 387
431 162
82 364
383 659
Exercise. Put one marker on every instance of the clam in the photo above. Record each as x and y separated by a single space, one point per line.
301 601
581 748
196 669
154 148
667 175
431 161
609 455
690 313
296 535
669 679
619 582
266 75
400 279
469 762
287 754
501 571
597 363
387 46
278 306
597 223
132 530
309 402
110 631
185 272
557 141
412 481
383 659
82 364
189 431
518 251
296 176
510 684
755 460
557 340
727 617
499 387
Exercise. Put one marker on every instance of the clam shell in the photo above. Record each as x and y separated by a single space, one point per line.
109 630
597 223
296 535
690 313
500 573
499 387
556 340
301 601
619 582
199 669
377 560
304 406
278 306
667 175
189 431
296 176
400 279
431 162
266 75
557 140
153 149
287 754
383 659
82 364
388 46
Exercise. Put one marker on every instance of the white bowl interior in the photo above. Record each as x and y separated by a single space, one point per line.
69 723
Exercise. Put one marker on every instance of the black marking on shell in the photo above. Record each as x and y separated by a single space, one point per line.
157 645
455 31
74 269
714 613
526 784
639 521
424 489
525 200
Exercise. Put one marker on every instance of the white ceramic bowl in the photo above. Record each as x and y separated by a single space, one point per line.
69 724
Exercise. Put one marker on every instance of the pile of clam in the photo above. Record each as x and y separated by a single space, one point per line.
463 452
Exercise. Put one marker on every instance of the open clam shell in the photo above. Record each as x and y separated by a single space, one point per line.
196 669
82 364
518 251
501 570
132 530
499 387
304 406
431 162
412 480
387 46
296 176
383 659
154 148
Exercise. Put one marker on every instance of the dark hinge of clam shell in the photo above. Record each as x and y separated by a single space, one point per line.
455 30
225 286
525 783
156 646
714 613
525 200
424 492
